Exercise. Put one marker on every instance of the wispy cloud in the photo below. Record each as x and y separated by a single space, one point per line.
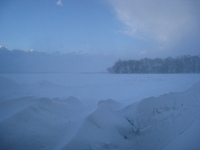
163 20
59 2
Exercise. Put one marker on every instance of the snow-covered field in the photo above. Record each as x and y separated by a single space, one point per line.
99 111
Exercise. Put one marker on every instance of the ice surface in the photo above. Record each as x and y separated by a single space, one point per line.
124 88
99 111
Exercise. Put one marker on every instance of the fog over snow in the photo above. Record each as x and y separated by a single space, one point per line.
99 111
55 91
20 61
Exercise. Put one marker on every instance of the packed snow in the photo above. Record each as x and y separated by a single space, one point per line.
99 111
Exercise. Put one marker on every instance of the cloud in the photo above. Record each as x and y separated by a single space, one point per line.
59 2
166 21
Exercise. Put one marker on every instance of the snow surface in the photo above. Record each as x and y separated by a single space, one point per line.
99 111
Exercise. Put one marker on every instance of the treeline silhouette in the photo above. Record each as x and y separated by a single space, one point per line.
182 64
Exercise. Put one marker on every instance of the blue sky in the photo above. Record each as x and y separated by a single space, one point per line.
126 27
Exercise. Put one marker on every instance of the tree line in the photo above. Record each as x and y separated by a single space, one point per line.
182 64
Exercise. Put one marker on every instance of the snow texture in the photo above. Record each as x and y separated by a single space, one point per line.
99 112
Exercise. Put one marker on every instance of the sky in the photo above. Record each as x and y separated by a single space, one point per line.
132 28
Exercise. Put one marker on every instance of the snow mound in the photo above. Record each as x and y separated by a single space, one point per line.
111 103
100 130
150 124
38 123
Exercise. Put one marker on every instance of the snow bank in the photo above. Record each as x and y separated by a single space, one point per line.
38 123
32 118
150 124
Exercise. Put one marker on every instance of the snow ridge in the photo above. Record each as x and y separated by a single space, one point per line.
47 123
150 124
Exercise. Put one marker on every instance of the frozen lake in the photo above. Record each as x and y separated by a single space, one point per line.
120 87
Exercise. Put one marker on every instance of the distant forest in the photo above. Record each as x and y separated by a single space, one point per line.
182 64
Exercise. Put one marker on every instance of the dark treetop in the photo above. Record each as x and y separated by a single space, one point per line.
183 64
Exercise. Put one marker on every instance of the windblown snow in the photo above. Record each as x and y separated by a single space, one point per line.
99 112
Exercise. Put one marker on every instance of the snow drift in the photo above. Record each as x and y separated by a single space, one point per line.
150 124
32 122
38 123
